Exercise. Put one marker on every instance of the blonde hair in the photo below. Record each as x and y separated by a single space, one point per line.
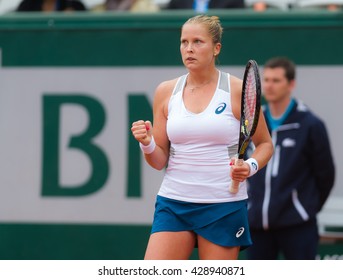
212 23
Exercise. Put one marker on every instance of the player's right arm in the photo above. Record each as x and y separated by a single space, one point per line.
145 132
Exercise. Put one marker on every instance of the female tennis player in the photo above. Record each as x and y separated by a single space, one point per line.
196 121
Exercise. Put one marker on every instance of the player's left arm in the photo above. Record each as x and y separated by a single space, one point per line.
263 143
261 139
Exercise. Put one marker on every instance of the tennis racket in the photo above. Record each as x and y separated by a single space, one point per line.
250 110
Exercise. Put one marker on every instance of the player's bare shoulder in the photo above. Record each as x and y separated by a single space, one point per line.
164 90
166 87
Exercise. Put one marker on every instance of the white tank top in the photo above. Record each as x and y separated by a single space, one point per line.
198 168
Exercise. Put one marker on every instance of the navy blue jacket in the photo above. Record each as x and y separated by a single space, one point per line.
296 182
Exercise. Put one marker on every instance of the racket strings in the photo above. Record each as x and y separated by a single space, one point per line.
249 101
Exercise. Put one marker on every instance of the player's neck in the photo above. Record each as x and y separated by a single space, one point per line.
198 78
197 81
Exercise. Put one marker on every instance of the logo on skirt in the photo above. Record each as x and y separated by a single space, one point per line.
240 232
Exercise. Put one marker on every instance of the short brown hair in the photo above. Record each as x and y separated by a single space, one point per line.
285 63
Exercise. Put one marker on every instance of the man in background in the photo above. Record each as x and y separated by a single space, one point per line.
286 196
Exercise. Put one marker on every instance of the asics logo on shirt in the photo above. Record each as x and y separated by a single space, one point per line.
239 232
220 108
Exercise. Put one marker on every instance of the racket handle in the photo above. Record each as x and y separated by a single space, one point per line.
235 184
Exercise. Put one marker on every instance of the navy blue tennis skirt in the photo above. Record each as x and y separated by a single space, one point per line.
224 224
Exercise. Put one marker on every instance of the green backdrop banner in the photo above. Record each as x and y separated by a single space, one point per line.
122 39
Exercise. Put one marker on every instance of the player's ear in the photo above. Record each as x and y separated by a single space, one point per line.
217 49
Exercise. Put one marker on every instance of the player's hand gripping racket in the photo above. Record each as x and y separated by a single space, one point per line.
250 110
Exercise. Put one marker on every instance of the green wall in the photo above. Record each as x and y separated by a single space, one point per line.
110 39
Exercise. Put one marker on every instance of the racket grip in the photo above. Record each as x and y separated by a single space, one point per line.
235 184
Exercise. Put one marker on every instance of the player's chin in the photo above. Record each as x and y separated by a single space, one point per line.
191 65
